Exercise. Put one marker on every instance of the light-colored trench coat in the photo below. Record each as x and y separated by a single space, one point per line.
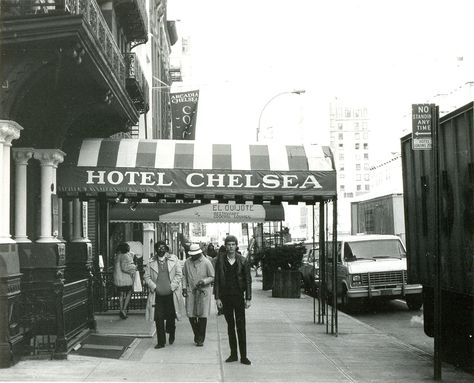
175 274
193 272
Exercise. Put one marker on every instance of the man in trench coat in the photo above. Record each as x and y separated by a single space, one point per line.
163 275
198 276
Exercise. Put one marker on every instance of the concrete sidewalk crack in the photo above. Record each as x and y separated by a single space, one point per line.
326 356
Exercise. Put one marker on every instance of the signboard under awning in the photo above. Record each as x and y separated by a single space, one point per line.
204 213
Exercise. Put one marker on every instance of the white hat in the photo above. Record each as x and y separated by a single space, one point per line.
194 249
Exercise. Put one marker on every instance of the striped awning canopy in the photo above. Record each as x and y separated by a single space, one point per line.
195 212
192 170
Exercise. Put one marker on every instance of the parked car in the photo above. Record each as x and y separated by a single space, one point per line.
310 268
372 267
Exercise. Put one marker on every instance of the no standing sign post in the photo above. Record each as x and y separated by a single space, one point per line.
422 115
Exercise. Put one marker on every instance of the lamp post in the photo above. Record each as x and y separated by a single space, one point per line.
299 91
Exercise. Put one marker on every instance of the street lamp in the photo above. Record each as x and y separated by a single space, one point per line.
299 91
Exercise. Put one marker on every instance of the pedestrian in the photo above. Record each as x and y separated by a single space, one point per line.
198 276
211 251
124 272
163 276
233 293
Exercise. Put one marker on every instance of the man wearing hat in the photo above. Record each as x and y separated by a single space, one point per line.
163 275
198 275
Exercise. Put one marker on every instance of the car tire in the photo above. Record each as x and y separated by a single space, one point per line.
414 302
350 304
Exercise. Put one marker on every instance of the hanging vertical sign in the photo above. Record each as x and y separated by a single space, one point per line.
184 112
421 126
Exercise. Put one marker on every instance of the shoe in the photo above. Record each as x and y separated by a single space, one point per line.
232 358
199 343
171 339
245 361
159 346
122 315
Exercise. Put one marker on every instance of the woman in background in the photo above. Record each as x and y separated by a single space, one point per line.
124 271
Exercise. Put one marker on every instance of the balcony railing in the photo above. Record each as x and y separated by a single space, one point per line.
92 14
136 84
134 18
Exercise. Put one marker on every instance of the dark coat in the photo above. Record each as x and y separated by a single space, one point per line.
243 275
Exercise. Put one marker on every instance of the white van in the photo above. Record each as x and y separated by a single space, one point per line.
372 267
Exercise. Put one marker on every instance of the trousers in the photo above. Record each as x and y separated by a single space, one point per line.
199 328
234 313
165 317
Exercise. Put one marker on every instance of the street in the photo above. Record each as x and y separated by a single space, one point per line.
394 318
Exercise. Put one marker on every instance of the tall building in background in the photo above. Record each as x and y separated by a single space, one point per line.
349 141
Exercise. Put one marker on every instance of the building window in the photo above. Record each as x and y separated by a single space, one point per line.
369 221
366 156
341 157
341 187
348 195
357 136
341 175
366 146
367 187
358 177
341 169
366 166
365 135
357 146
357 166
366 177
359 188
339 125
358 157
356 126
341 145
341 136
347 113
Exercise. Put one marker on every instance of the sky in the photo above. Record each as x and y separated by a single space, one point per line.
385 55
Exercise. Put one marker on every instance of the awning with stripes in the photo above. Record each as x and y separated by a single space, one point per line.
199 170
194 212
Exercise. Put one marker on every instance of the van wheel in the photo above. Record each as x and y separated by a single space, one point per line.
414 301
347 303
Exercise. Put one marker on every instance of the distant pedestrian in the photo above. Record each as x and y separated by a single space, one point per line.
211 251
124 271
233 292
198 275
163 275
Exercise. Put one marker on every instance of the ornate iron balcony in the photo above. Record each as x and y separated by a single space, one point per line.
136 84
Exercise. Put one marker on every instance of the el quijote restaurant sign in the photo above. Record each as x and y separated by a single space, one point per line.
421 126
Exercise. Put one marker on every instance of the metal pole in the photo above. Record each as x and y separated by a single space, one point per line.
301 91
334 236
322 260
312 271
438 271
326 303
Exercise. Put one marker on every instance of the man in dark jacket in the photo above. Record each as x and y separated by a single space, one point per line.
233 292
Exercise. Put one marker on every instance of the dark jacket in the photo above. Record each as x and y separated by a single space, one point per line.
243 275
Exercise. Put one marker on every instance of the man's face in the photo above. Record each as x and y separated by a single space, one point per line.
161 250
231 246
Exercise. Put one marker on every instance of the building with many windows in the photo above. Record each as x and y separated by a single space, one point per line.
349 141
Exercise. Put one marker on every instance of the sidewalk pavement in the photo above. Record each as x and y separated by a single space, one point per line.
283 343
